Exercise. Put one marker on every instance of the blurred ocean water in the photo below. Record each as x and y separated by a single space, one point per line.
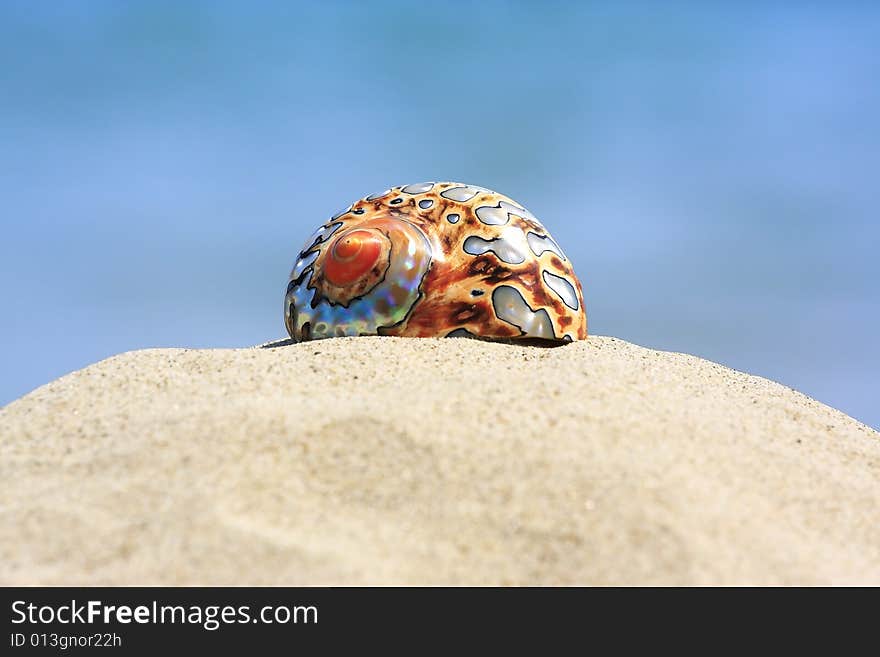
712 170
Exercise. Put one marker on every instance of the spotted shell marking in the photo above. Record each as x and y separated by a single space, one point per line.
433 260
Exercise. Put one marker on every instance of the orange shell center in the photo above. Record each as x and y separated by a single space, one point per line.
352 255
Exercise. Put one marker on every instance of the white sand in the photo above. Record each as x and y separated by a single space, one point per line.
406 461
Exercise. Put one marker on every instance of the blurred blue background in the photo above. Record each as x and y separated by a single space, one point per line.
711 169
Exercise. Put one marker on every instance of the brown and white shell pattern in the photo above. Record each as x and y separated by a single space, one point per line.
433 260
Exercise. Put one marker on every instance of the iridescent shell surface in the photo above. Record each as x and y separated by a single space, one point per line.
434 260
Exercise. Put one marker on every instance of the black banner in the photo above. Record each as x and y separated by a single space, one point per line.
135 620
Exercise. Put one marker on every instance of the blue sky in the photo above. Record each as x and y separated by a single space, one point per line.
710 168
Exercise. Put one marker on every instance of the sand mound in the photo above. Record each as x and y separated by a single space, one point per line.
405 461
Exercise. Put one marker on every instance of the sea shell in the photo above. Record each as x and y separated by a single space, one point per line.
434 260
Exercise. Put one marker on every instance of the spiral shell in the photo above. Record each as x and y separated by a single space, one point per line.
434 260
